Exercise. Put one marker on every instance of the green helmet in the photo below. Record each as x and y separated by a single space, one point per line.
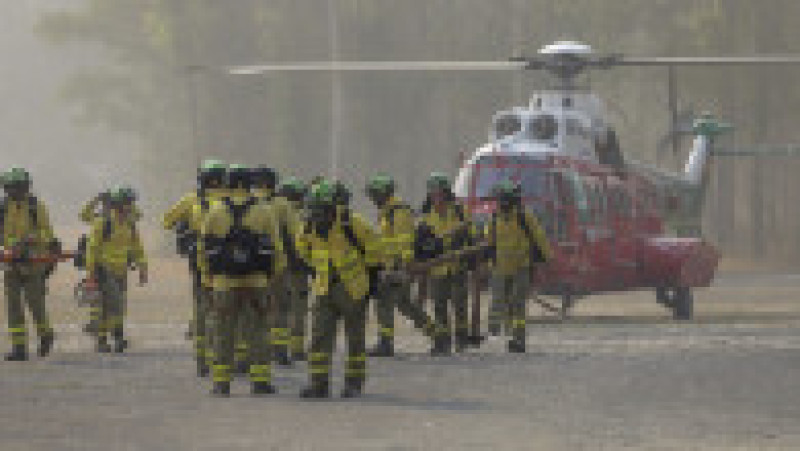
212 166
16 175
380 184
438 181
341 194
118 194
292 186
322 193
507 190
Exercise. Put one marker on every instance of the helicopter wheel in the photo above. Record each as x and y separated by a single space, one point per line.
665 297
683 304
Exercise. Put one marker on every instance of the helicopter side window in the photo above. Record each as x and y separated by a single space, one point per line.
543 128
507 125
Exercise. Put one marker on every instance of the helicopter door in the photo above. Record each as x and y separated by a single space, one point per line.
599 236
625 252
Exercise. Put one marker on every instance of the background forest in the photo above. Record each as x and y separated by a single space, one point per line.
410 124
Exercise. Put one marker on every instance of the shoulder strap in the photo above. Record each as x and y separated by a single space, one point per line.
392 209
239 211
107 225
350 234
3 205
523 224
459 212
33 210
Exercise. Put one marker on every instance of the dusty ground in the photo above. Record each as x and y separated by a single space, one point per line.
619 374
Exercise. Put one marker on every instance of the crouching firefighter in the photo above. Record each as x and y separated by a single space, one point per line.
25 229
338 252
186 217
396 232
113 247
242 255
517 244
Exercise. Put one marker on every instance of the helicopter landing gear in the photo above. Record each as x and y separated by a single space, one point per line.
680 300
567 302
683 304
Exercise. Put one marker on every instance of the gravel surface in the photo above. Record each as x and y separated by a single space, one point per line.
619 374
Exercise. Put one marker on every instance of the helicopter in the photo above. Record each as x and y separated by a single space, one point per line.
605 215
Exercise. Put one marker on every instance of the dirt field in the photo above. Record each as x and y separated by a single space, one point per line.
620 374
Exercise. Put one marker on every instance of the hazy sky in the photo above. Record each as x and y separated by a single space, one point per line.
68 162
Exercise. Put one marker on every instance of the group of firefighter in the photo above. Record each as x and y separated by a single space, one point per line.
263 252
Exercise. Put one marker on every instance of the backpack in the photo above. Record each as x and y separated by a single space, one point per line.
33 212
241 252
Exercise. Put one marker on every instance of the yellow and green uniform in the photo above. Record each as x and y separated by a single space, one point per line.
26 226
512 242
448 281
190 210
113 247
396 237
284 302
340 285
240 299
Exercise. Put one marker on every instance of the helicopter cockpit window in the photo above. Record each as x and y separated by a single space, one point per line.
543 128
490 170
507 125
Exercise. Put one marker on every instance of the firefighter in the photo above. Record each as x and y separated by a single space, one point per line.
396 226
185 217
518 244
25 227
293 191
339 250
265 181
242 255
444 221
113 247
99 207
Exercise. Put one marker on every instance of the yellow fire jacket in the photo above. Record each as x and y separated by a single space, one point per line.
396 226
446 227
114 244
336 253
512 244
217 222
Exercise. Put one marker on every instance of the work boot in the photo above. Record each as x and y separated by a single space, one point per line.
262 388
46 344
318 388
282 358
18 354
102 345
203 369
120 343
516 346
221 389
461 342
475 341
353 387
441 346
90 328
241 368
384 348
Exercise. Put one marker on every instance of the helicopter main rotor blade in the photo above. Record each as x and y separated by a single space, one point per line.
706 61
375 66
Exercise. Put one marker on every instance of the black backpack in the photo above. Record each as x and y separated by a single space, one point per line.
241 252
